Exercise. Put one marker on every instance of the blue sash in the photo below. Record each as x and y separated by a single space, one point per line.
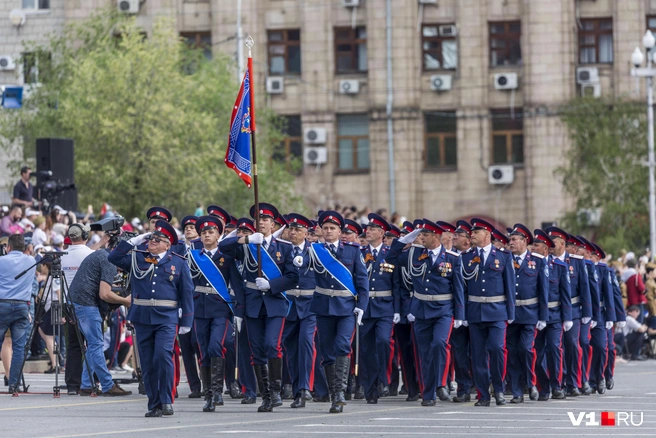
334 267
269 268
213 275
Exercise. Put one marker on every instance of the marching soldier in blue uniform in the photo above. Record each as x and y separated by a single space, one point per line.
383 311
620 318
548 342
531 312
351 232
581 310
342 292
490 281
161 300
217 272
155 214
447 235
438 304
265 301
301 323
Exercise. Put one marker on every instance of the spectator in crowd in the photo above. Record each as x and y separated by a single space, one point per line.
5 355
23 190
15 300
39 236
10 223
634 334
47 295
125 351
58 243
650 286
635 288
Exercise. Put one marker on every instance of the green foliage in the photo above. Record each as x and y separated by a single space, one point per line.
150 119
604 169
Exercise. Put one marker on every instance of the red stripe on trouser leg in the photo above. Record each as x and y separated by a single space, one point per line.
279 342
314 360
176 366
225 333
448 355
505 354
390 361
535 358
579 358
560 365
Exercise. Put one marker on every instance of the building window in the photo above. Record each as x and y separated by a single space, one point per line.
439 46
507 136
505 47
36 4
353 142
285 52
36 66
441 147
651 23
350 49
596 41
290 150
199 40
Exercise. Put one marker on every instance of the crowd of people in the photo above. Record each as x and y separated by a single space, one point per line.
268 299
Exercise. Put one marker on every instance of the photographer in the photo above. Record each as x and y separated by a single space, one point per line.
23 190
90 289
15 297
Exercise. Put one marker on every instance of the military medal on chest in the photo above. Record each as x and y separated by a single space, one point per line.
386 267
496 263
172 273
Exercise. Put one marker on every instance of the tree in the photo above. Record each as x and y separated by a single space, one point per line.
149 117
604 170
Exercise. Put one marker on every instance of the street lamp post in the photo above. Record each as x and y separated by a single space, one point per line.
636 59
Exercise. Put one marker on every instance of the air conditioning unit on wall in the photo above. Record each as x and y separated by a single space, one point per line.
314 136
497 175
315 155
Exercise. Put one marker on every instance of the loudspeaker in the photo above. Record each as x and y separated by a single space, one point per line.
56 155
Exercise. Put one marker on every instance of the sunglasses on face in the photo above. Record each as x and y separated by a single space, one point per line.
157 239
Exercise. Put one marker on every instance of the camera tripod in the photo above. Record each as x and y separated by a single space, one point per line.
60 309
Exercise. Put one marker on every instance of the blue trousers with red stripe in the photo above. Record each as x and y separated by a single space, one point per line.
320 383
265 337
298 339
190 353
432 336
335 335
584 342
375 351
155 343
245 364
462 363
599 344
609 372
211 334
520 340
488 338
405 344
573 356
548 369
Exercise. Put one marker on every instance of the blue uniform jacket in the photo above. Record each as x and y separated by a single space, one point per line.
620 314
428 278
532 282
301 305
606 298
593 281
380 307
274 301
559 291
323 305
579 286
169 280
496 278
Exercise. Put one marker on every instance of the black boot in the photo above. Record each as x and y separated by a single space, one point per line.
206 378
342 364
218 366
262 376
330 378
275 381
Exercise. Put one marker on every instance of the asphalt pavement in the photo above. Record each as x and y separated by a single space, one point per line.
41 415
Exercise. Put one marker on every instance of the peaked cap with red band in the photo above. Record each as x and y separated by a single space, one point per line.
521 230
543 237
573 240
210 221
246 223
600 252
332 217
555 232
281 220
408 227
232 223
446 226
499 237
393 232
376 220
587 245
299 221
215 210
431 227
463 227
188 220
165 229
265 210
480 224
159 213
418 224
351 226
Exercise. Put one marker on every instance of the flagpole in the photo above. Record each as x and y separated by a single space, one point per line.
249 43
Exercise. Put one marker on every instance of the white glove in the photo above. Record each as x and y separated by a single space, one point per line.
410 237
541 325
585 320
138 240
233 233
256 238
238 322
510 321
397 318
609 325
411 317
359 313
262 283
457 323
465 323
621 324
567 325
184 330
593 324
279 232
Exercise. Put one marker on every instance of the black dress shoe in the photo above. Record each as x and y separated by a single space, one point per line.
299 401
321 399
287 393
463 398
442 393
235 390
508 391
601 387
306 395
573 392
428 402
157 412
372 401
586 390
383 390
500 399
194 394
543 397
533 393
359 393
348 395
167 409
517 400
209 405
403 391
558 394
336 409
482 403
412 398
610 383
394 391
218 399
248 400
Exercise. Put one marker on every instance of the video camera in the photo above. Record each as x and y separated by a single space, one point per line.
112 227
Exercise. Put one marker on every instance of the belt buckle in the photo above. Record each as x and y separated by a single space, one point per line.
152 302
